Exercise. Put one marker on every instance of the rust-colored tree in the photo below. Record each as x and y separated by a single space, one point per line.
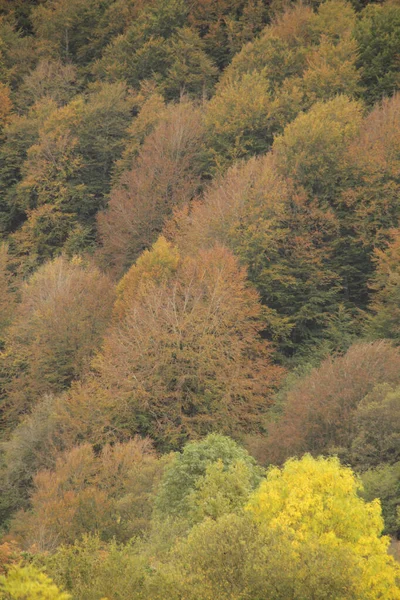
186 358
319 410
63 313
165 175
109 493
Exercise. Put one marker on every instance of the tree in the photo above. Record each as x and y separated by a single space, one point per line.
300 58
312 149
331 70
142 51
68 170
279 52
185 480
317 500
283 238
383 482
101 134
166 174
306 534
153 266
27 582
20 133
378 36
68 30
376 429
191 71
187 358
64 310
33 446
221 491
385 303
219 22
320 409
151 109
7 292
91 568
374 158
52 79
5 105
110 493
238 119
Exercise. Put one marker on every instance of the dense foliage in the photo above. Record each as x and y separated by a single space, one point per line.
199 299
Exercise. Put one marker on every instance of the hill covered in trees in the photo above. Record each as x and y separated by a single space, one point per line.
199 300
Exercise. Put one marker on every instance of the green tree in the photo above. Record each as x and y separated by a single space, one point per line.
214 459
376 437
237 119
142 51
191 71
378 37
69 30
222 491
311 150
385 304
283 238
383 483
51 79
91 569
306 534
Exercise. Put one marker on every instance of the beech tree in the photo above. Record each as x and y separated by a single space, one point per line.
50 78
383 483
281 236
110 493
20 133
187 358
378 35
328 515
300 58
185 477
5 106
7 292
319 411
376 429
28 582
374 158
166 174
63 313
385 304
306 534
328 127
222 21
69 30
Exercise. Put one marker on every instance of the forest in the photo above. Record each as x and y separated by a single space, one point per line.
199 300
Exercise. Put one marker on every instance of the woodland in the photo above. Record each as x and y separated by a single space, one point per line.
199 300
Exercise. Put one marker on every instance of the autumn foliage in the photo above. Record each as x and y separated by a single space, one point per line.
199 299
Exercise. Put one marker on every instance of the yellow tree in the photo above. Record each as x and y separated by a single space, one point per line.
27 582
317 501
304 534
